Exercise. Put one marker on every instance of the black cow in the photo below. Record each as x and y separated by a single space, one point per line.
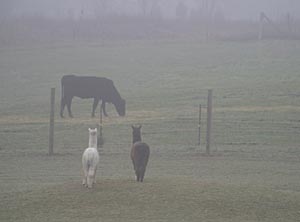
85 87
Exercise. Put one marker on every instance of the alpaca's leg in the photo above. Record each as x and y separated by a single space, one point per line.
142 175
85 168
90 177
133 166
94 181
89 181
85 174
137 175
84 181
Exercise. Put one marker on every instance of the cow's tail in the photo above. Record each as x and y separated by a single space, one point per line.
62 103
62 87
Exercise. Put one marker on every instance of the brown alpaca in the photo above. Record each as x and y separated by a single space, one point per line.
139 153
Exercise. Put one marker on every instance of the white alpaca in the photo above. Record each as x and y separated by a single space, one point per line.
90 160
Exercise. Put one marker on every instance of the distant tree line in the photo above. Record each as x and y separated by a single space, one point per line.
102 8
6 8
171 9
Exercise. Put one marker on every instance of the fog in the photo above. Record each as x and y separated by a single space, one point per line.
23 21
229 9
163 56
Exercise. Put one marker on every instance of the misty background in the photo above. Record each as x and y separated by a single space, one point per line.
23 21
166 9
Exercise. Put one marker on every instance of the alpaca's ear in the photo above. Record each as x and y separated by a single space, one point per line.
89 129
140 126
132 126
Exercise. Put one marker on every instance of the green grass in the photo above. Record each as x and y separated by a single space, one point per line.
175 199
252 174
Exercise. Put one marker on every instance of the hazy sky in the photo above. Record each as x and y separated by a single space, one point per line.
233 9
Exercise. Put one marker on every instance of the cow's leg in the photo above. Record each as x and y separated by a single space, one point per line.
95 104
103 108
69 102
62 107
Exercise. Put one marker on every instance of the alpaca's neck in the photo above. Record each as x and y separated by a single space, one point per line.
136 138
93 141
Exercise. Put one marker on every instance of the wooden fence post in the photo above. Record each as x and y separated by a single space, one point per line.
199 126
209 120
51 128
261 26
100 138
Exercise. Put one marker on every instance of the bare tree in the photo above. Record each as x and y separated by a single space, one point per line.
155 10
207 7
101 7
104 4
6 7
181 10
143 5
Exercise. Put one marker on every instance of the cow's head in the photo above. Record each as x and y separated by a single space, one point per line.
120 107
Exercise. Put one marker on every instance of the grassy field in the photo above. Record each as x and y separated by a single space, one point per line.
251 175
